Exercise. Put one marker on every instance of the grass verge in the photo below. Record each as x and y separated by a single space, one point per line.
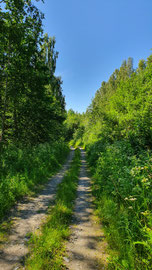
47 247
23 172
122 182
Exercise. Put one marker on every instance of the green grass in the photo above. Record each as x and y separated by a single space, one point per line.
122 188
5 228
23 172
47 246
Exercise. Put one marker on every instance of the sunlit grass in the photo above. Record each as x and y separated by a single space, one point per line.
47 247
24 172
123 198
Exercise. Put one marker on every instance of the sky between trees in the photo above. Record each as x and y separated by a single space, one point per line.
93 38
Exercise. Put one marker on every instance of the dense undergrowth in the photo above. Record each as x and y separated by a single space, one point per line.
116 131
23 171
122 188
47 247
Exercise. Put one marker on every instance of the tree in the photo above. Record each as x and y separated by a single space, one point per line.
141 65
130 66
31 97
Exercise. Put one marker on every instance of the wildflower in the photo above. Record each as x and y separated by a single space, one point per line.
146 213
132 199
130 207
144 180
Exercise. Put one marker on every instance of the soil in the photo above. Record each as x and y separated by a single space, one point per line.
27 218
87 246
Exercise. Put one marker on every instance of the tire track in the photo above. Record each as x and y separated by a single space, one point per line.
27 218
87 247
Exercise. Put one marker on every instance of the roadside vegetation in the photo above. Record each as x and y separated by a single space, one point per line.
116 131
24 171
47 245
32 106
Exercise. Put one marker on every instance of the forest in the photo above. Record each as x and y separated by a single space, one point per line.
115 131
32 106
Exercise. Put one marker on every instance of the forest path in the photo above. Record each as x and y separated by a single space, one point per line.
27 217
87 247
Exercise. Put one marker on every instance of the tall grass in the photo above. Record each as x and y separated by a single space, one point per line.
22 171
122 187
47 247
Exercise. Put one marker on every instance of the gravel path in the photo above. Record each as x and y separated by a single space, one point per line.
87 247
27 218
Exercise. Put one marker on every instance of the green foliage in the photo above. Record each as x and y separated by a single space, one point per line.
74 128
32 106
22 171
122 186
47 248
121 108
117 134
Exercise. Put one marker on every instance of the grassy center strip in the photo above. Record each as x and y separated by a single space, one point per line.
47 247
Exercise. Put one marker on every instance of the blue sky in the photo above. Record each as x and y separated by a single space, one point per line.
93 37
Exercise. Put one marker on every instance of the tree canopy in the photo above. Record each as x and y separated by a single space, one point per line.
31 100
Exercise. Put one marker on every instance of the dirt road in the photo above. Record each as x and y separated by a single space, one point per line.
87 247
27 218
